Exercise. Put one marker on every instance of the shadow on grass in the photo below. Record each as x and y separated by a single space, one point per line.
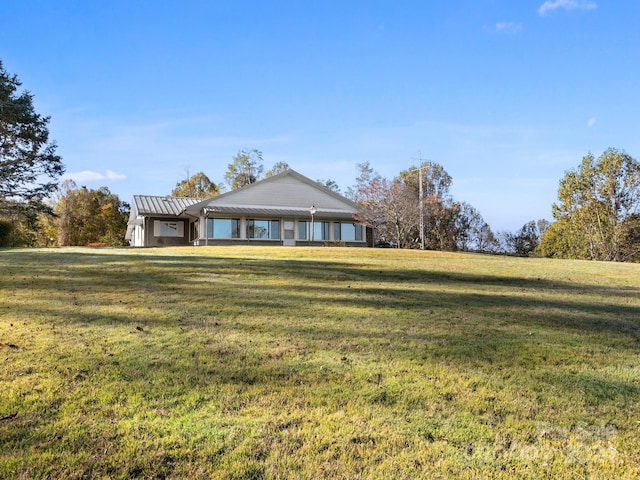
310 287
415 314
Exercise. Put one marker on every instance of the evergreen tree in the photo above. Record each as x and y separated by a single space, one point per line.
29 166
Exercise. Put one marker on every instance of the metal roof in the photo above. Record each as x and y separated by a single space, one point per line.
154 205
268 211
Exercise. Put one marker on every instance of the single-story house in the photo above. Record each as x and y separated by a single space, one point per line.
285 209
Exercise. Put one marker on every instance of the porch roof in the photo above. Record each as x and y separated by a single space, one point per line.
279 212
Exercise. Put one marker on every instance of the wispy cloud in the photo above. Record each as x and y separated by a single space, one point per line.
507 27
552 5
591 122
91 176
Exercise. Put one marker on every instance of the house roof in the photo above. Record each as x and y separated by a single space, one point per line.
288 194
154 205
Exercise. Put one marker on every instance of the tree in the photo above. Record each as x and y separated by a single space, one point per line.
486 241
631 242
277 168
247 168
393 209
369 192
196 186
90 216
526 240
366 177
597 205
399 213
471 231
523 242
542 224
436 182
22 227
438 209
330 184
29 166
18 230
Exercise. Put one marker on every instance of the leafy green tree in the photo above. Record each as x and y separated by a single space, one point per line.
247 168
29 166
196 186
21 228
596 210
90 216
279 167
555 242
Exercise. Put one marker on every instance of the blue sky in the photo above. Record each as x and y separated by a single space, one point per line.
506 95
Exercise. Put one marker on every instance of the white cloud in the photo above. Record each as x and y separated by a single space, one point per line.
552 5
90 176
591 122
507 27
111 175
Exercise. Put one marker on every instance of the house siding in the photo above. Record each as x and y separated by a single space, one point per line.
287 192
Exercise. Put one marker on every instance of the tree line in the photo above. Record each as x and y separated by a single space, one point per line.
596 216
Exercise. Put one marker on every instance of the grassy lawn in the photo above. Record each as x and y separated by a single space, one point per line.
316 363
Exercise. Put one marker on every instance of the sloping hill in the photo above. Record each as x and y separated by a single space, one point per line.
316 363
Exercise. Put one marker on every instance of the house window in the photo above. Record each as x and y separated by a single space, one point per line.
168 229
347 232
223 228
320 231
266 229
303 230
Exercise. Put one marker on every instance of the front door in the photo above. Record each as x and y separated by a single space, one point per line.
289 239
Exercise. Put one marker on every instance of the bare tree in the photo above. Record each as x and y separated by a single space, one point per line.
399 210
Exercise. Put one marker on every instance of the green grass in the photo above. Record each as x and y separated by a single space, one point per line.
316 363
